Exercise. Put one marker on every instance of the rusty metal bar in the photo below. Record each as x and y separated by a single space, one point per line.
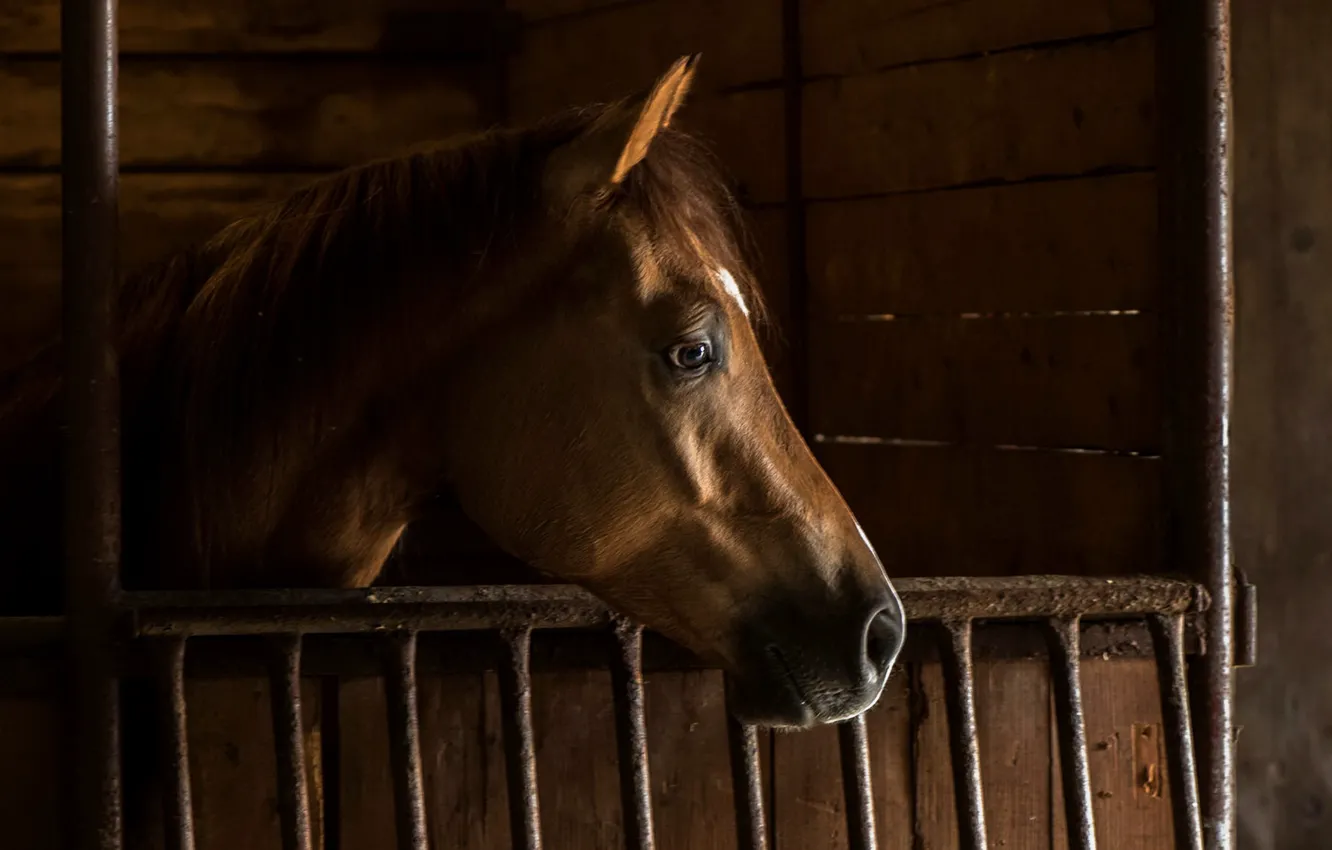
404 728
1065 638
751 825
631 736
857 784
965 745
177 800
289 738
564 607
89 188
1193 61
515 680
1168 640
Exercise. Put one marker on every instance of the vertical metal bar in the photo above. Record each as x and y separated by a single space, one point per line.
289 738
1168 638
1193 58
89 204
965 746
1065 657
515 679
751 825
405 741
177 802
857 784
631 736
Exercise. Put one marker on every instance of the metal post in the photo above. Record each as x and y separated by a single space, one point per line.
89 190
1195 114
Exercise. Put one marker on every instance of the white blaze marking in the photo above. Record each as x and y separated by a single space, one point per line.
732 289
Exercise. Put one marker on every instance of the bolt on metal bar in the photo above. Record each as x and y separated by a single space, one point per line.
751 825
631 736
89 189
857 784
177 798
959 680
515 679
1065 656
404 728
1168 640
289 737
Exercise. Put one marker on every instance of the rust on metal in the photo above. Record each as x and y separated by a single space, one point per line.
177 799
515 679
404 728
631 736
1193 62
566 607
289 738
1168 639
959 680
1065 656
751 824
857 784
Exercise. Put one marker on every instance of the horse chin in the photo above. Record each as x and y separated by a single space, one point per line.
773 704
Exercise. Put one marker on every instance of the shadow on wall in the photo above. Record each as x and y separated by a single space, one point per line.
1283 416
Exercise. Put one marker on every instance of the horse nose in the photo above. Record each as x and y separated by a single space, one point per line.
885 632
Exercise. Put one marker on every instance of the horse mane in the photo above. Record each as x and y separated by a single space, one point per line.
303 273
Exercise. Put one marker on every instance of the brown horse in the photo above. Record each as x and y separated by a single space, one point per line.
554 325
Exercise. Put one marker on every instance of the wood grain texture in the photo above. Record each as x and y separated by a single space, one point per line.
953 511
233 767
178 26
1064 382
852 36
540 10
253 113
1130 782
573 717
462 760
33 799
617 51
933 796
1067 245
1013 116
808 796
1013 716
693 802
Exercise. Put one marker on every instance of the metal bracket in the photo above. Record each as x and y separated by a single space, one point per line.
1246 620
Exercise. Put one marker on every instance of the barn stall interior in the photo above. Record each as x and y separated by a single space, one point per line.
992 235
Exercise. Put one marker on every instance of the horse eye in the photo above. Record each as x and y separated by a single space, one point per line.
692 356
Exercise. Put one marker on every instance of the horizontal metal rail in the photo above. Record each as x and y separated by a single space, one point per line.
219 613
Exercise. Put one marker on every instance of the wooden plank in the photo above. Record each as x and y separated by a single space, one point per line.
693 801
179 26
808 796
1013 716
934 802
1063 382
233 765
1012 116
540 10
954 511
853 36
615 51
251 113
33 802
574 720
1130 782
462 760
1068 245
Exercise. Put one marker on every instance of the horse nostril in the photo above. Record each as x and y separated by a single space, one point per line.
884 634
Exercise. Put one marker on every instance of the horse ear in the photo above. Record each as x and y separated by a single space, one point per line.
608 150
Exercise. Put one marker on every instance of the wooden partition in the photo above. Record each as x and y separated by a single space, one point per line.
954 208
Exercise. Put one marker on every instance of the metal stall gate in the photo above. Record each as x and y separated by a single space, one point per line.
103 624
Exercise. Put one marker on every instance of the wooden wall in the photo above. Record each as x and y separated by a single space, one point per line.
955 207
